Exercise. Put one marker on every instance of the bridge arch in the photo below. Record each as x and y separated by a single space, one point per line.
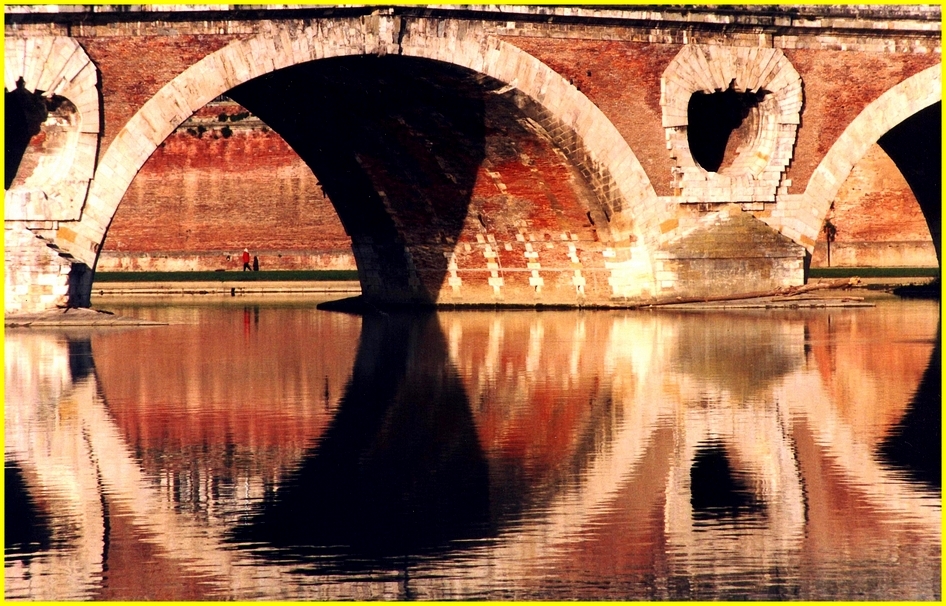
881 116
633 211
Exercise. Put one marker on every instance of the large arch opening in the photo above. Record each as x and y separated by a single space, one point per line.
422 160
396 145
886 213
915 146
897 106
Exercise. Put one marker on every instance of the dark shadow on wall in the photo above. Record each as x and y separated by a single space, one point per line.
714 125
23 118
915 146
395 143
399 472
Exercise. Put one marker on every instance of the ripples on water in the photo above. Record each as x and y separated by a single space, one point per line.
285 453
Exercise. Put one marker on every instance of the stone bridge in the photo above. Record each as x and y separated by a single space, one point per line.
482 155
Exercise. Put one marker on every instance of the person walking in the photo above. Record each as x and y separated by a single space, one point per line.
255 263
246 259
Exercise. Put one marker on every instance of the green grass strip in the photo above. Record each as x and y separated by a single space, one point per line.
873 272
226 276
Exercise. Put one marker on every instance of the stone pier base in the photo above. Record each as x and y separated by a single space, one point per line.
37 276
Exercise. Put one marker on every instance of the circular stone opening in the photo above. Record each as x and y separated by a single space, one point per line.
36 125
720 125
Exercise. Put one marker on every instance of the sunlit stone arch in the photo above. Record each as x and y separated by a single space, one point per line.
55 66
636 214
800 217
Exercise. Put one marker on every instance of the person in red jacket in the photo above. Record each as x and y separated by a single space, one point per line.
246 260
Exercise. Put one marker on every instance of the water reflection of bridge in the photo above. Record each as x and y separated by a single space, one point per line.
642 403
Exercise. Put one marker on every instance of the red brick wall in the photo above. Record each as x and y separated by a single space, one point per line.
203 198
878 220
623 80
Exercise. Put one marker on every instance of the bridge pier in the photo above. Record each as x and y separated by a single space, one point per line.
38 276
729 252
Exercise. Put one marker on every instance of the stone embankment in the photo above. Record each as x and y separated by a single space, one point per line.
858 292
226 288
72 316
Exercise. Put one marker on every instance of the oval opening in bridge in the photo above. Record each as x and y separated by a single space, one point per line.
721 125
38 129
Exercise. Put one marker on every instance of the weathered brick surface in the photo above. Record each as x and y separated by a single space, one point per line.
740 253
838 85
623 80
878 220
201 199
134 68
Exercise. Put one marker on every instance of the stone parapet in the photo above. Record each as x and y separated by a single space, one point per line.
893 28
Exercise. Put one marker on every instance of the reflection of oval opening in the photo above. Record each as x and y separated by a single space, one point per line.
717 491
721 125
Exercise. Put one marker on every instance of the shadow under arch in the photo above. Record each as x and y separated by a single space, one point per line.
398 473
620 182
396 144
882 116
915 146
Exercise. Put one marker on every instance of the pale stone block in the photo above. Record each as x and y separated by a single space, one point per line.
84 83
48 67
768 66
33 62
12 61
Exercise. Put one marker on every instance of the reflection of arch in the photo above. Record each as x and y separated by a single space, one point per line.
55 66
400 457
803 222
657 417
281 46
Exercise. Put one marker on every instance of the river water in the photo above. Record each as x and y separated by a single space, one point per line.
274 451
